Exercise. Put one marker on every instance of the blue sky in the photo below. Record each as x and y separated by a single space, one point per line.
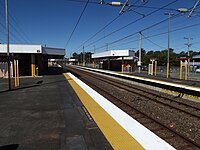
51 22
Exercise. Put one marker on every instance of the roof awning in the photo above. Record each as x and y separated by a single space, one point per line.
114 54
31 49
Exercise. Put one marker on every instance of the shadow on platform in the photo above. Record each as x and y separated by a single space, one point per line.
9 147
53 71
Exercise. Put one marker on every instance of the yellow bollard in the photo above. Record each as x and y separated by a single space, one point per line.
15 73
152 67
186 71
181 70
17 65
122 68
167 70
155 68
149 69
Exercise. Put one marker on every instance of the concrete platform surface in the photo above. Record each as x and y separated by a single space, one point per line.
44 113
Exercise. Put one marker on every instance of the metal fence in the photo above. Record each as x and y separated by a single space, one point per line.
174 72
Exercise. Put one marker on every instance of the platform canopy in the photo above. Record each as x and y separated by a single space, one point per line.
31 49
114 54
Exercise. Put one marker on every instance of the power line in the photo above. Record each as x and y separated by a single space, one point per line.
140 31
81 1
20 35
130 23
102 28
77 24
20 32
125 43
123 26
139 6
198 24
99 31
151 41
13 36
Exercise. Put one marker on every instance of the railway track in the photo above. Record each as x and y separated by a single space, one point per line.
169 134
193 111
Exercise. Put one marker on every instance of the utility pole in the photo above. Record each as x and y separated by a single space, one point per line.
7 41
83 56
94 48
106 46
188 45
168 65
140 53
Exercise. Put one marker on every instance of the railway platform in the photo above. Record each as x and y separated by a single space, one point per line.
45 113
59 111
185 88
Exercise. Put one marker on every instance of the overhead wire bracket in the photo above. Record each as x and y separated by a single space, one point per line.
122 10
192 10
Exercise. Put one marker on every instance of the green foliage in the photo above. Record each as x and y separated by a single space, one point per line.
161 56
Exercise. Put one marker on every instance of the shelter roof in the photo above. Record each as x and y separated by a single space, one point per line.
114 53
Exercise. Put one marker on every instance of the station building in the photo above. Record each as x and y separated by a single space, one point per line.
116 60
31 58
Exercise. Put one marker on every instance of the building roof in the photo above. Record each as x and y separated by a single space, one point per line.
31 49
114 53
182 58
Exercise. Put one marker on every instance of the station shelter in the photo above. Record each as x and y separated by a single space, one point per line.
116 60
31 59
73 61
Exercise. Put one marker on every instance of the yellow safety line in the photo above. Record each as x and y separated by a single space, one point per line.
117 136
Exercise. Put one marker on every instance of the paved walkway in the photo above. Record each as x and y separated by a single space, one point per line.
46 116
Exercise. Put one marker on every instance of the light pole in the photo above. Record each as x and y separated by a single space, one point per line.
7 41
188 45
140 53
168 65
94 48
83 56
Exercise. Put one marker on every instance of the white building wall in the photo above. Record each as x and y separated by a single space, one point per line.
114 53
16 48
53 51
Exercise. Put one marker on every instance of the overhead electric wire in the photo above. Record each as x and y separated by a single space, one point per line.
20 35
77 23
185 27
130 24
19 31
12 36
198 24
123 26
102 28
143 6
99 31
81 1
151 41
124 43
